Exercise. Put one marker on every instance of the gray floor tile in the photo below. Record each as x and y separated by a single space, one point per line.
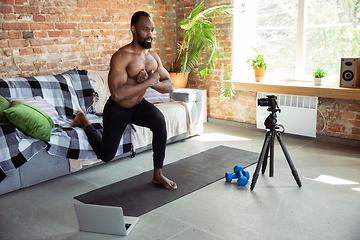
276 209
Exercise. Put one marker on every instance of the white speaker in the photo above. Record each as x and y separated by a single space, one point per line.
350 72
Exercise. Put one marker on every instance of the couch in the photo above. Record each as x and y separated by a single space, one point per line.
28 159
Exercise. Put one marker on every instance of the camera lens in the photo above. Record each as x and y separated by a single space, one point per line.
263 102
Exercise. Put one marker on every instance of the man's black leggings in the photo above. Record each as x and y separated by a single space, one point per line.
115 120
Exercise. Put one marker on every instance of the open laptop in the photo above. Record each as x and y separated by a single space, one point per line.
104 219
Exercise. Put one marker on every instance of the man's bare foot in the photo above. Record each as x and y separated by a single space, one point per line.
160 179
80 120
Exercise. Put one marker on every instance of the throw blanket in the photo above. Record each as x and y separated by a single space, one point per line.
68 92
177 120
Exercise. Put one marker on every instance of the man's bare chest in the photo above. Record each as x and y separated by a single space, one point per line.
139 63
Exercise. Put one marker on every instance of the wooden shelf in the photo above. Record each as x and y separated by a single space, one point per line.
304 88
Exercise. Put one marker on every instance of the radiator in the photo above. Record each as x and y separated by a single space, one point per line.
298 113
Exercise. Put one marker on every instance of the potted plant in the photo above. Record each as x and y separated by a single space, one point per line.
319 74
259 65
199 48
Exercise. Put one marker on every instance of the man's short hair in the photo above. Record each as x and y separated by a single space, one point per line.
136 16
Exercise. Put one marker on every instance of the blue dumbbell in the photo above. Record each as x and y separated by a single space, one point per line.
244 175
229 176
240 174
244 178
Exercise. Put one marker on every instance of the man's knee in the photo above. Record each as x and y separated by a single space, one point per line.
106 157
160 126
158 123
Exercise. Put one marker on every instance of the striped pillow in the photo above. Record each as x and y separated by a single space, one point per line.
154 96
42 104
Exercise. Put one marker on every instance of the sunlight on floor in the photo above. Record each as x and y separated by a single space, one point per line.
212 137
333 180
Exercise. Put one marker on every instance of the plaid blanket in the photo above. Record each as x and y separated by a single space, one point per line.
68 92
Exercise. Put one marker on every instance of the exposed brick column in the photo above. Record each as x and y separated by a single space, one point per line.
213 81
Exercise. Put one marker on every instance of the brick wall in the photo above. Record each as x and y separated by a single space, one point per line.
45 36
41 37
342 118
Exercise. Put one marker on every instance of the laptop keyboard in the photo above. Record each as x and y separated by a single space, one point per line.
127 225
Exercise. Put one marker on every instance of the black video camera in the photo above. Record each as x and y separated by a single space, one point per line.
269 101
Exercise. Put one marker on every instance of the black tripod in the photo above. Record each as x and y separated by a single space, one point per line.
268 146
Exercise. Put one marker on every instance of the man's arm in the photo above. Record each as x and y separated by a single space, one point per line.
118 79
165 85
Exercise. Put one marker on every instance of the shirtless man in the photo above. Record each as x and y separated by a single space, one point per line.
133 69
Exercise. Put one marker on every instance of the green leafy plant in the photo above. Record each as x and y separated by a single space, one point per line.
227 86
258 61
319 73
199 48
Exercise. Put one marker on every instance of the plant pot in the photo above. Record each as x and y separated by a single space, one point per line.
318 81
259 74
179 80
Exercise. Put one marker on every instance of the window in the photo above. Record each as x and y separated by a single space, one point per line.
296 36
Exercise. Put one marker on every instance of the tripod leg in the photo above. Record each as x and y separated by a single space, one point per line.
264 162
262 154
271 170
292 167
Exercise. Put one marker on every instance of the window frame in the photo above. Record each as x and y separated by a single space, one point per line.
240 74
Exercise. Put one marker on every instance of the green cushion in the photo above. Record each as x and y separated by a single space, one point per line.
4 104
30 120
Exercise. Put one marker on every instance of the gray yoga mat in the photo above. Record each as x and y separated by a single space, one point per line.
138 195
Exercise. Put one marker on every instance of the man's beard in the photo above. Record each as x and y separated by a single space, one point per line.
145 44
